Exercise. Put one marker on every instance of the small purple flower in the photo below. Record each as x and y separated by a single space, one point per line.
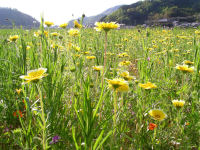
148 58
55 139
6 130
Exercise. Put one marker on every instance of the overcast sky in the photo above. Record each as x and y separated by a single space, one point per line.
60 11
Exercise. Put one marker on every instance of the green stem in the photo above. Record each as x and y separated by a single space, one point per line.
44 144
179 122
104 66
122 101
115 111
183 84
154 137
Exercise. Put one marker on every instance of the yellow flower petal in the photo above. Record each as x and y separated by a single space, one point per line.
34 75
157 114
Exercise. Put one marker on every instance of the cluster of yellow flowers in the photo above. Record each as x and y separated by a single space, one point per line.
186 67
72 32
120 84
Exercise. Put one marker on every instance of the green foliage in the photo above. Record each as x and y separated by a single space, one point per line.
71 108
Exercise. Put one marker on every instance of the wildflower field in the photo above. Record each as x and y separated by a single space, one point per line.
99 89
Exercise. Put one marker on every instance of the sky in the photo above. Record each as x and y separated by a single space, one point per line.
60 11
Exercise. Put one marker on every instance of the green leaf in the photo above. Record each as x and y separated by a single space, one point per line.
109 133
98 140
99 103
74 138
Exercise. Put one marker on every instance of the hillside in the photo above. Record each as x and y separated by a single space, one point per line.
9 16
89 21
148 10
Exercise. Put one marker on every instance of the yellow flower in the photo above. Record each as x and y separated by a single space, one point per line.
13 38
78 49
164 31
123 55
28 47
155 46
126 76
178 103
106 26
48 24
148 85
64 25
197 32
157 114
77 55
73 32
90 57
188 51
77 25
34 75
69 45
188 62
87 52
54 46
185 68
18 91
136 81
37 33
118 84
46 33
126 40
111 54
97 68
54 34
124 63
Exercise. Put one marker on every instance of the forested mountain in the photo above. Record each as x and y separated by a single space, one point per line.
10 17
147 10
